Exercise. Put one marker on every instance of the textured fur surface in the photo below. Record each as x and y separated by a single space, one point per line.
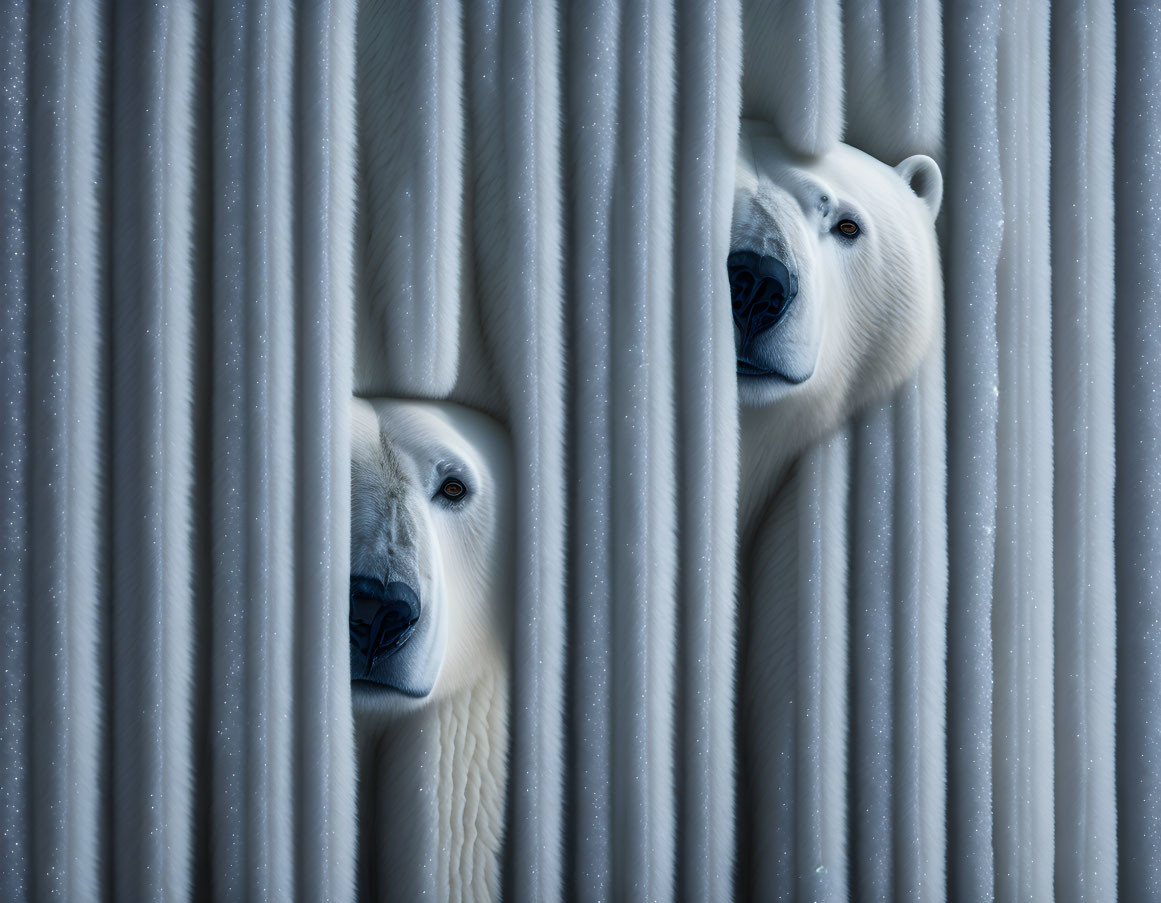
432 767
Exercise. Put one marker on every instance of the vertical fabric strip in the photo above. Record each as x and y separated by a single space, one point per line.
1137 193
974 227
63 525
1082 81
15 455
151 453
325 180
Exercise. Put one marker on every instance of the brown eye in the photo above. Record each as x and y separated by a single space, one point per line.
453 490
848 227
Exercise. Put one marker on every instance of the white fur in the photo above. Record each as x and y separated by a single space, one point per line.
867 310
436 766
876 301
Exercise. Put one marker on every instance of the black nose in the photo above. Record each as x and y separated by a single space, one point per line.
383 617
761 288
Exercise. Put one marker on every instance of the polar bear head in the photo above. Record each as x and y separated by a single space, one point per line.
431 548
835 281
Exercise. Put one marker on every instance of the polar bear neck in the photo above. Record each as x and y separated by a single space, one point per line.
473 733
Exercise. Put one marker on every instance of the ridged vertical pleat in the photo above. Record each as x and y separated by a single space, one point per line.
893 64
592 84
16 610
399 810
872 655
1137 155
792 71
1022 753
823 860
410 191
799 633
151 452
323 760
515 100
708 48
253 453
973 229
898 623
921 682
644 551
893 74
63 465
768 731
281 363
1083 442
792 797
938 695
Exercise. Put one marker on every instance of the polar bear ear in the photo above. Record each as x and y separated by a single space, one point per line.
922 174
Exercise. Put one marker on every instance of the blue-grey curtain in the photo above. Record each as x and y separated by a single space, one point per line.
220 220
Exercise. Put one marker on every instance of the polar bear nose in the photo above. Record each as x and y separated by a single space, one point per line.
761 289
383 617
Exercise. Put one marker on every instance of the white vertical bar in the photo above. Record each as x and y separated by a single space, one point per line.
932 628
1022 607
644 458
324 761
832 870
1137 140
708 106
151 457
254 475
893 68
822 688
769 578
410 132
1082 349
974 227
63 527
597 522
792 73
16 449
515 104
873 665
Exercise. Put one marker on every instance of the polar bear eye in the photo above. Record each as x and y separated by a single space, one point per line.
453 490
848 227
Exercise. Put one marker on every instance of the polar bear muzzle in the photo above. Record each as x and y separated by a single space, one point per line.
761 290
383 618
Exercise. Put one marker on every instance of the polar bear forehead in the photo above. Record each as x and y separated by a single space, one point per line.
436 435
843 175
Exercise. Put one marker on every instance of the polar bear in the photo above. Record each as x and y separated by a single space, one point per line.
837 295
836 290
430 618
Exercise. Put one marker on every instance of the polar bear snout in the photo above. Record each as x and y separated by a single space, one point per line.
382 620
761 289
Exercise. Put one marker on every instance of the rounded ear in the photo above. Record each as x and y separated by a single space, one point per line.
922 175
